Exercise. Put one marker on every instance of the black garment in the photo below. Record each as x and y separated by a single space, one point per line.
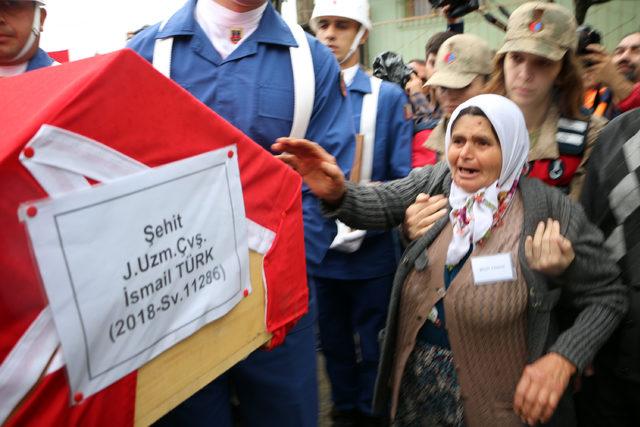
611 198
606 400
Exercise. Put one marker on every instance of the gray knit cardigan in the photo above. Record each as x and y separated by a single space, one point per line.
589 291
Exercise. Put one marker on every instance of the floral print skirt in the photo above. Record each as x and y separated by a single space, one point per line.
429 391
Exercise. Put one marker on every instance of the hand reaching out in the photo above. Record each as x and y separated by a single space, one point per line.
318 168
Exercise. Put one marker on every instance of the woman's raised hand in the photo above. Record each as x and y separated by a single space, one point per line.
318 168
548 251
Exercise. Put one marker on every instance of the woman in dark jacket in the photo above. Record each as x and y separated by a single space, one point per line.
472 336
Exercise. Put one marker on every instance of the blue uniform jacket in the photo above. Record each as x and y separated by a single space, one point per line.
253 89
391 160
39 60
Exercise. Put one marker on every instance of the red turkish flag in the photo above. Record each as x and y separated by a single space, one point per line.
122 102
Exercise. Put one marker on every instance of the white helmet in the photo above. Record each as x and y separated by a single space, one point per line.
358 10
35 29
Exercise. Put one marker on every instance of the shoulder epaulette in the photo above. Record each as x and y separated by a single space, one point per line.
572 136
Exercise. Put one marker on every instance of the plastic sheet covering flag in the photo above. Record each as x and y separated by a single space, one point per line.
118 100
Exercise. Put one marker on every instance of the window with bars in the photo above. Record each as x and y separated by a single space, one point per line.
418 8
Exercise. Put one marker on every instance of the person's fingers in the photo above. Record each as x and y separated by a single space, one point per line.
285 157
294 146
427 222
566 249
594 58
332 171
565 245
556 239
424 207
528 251
422 197
411 214
289 160
595 47
560 251
302 148
550 408
537 240
530 401
540 403
433 206
556 231
521 391
545 250
279 144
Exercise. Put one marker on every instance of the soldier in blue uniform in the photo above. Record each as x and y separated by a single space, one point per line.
235 57
21 22
356 276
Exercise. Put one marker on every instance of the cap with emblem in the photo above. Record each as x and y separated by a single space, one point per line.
544 29
461 59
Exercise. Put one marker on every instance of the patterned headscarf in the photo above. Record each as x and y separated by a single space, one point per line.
474 215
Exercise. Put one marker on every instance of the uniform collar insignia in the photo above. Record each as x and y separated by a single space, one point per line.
235 35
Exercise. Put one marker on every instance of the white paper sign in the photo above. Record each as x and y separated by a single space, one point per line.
134 266
492 268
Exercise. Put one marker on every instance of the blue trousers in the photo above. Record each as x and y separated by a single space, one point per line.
275 388
351 314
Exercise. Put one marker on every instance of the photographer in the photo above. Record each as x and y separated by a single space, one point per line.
426 112
620 71
598 98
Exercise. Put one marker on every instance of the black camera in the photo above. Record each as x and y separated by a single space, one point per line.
587 36
389 66
457 8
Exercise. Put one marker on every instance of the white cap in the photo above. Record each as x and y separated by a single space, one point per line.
357 10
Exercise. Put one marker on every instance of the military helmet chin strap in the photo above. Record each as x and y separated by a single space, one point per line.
35 33
354 45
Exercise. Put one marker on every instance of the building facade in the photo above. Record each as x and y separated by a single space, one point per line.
403 26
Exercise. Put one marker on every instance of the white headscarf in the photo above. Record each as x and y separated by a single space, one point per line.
473 215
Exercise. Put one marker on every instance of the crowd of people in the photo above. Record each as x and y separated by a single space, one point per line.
470 237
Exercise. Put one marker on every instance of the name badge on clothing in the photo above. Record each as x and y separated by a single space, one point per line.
492 268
